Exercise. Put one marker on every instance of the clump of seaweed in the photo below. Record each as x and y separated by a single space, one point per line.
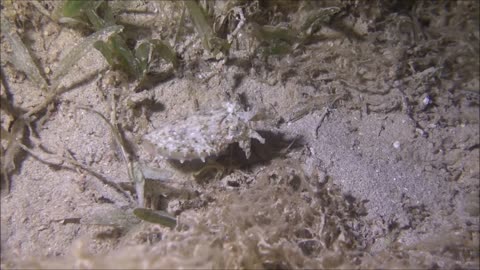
136 62
211 42
281 221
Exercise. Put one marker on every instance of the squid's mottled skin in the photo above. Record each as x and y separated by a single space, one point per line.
205 134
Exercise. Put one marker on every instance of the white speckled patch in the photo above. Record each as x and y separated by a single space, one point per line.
204 134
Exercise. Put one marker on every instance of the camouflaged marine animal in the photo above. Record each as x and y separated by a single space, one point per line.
205 134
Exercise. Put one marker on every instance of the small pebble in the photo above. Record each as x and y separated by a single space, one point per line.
396 145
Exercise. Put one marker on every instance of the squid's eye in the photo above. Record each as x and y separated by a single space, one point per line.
234 129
